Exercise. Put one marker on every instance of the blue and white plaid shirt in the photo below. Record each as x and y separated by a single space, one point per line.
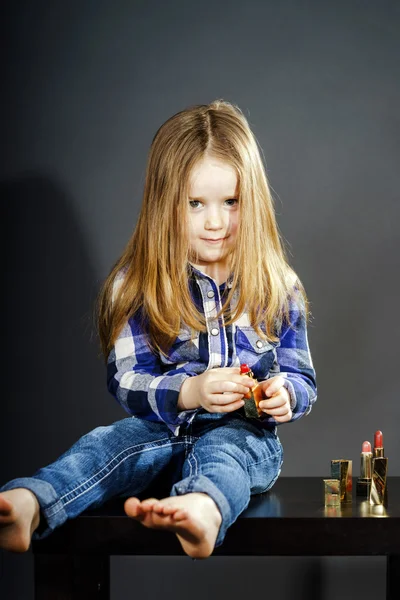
147 386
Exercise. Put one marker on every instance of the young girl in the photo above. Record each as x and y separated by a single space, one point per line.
202 287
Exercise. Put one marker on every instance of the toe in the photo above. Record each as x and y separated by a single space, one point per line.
180 514
169 510
149 503
5 506
132 507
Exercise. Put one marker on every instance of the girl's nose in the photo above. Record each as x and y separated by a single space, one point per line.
213 220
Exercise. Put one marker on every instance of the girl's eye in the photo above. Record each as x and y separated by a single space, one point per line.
198 203
194 203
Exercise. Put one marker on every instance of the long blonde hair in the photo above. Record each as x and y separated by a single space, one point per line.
155 261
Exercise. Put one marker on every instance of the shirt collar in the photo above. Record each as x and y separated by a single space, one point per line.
196 273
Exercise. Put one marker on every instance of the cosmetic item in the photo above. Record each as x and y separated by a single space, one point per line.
333 511
378 491
364 480
365 509
342 469
253 397
378 445
332 492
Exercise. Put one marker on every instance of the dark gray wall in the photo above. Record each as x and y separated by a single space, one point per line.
85 86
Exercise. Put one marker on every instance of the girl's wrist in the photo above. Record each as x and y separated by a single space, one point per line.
186 398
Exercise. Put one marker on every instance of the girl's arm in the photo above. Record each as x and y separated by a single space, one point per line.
295 362
136 379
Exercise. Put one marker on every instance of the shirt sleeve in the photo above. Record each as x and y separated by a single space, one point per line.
136 379
294 361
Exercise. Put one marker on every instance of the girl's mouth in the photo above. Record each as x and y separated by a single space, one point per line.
214 241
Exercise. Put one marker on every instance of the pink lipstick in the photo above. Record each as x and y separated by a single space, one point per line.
364 480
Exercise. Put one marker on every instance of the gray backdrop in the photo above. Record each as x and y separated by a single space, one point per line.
85 87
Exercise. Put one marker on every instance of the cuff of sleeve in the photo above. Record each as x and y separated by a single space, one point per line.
292 393
183 417
184 420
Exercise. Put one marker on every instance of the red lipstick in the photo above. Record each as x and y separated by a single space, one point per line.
378 444
378 491
253 396
364 480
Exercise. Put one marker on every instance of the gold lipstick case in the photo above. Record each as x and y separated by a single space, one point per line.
332 492
252 400
364 481
378 491
343 470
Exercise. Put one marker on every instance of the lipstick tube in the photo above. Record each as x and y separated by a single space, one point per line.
378 445
378 491
253 397
364 480
342 469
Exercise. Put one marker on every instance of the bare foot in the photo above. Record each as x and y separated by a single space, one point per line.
19 517
194 518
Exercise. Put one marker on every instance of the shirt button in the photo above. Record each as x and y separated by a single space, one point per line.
214 331
210 294
259 344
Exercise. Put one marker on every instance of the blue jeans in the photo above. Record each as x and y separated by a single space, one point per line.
224 455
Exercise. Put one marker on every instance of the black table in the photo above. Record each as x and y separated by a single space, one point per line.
289 520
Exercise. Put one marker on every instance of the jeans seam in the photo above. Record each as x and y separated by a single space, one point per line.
196 470
105 466
51 512
265 459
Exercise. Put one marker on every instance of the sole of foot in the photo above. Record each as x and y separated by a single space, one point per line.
19 517
194 518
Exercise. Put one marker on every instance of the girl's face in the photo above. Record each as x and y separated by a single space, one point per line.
213 216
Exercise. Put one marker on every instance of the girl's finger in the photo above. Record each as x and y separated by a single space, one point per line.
244 380
274 402
219 387
235 387
279 411
233 406
275 384
224 399
215 408
241 380
284 418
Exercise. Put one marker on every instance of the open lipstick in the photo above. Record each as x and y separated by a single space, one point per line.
378 491
364 480
253 396
378 444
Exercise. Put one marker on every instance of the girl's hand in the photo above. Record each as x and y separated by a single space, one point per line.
219 390
277 402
